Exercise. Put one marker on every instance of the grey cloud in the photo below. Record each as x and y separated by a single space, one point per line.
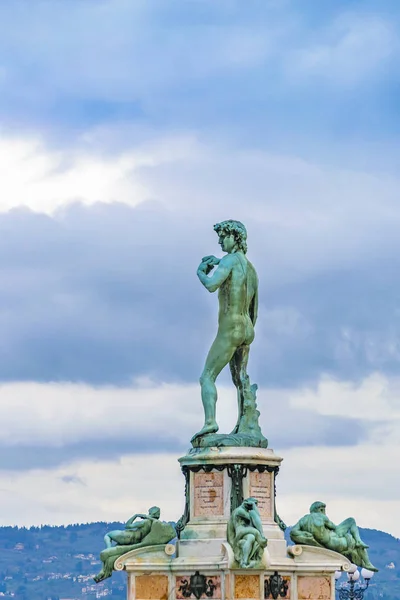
63 79
295 429
348 324
105 290
25 458
197 43
300 429
109 293
73 479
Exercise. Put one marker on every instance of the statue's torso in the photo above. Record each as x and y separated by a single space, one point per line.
236 295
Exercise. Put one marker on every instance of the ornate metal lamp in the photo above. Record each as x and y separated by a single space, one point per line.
353 589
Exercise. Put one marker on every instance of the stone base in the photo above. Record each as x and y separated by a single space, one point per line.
307 573
202 565
217 481
219 440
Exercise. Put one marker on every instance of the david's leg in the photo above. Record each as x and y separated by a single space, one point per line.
220 354
209 399
238 367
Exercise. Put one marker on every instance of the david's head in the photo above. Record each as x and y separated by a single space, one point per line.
232 236
154 512
318 507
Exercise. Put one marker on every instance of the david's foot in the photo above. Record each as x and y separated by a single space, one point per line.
208 428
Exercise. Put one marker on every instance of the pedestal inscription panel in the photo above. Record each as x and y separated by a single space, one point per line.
208 494
260 488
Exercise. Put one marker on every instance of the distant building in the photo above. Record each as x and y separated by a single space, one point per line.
19 546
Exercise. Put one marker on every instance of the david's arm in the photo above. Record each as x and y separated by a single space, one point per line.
213 282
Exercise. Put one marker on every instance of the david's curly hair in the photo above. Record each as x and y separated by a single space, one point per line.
237 229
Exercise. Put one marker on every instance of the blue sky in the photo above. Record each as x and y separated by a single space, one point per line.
126 131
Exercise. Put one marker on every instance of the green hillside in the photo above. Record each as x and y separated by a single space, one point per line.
57 563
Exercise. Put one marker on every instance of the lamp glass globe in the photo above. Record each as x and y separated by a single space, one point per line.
367 574
353 568
354 576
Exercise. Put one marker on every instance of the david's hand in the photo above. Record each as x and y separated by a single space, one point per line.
205 267
211 260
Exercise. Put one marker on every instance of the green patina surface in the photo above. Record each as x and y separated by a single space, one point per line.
315 529
236 280
137 534
245 534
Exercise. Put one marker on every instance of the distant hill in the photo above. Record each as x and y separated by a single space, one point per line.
57 563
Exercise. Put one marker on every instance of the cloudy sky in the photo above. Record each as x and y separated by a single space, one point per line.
127 129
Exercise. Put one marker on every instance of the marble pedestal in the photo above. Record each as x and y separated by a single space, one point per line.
217 479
